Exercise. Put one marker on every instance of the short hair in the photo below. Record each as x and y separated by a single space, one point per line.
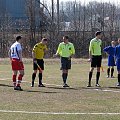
44 39
98 33
66 37
18 38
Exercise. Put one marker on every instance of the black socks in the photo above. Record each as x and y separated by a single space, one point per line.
97 77
64 76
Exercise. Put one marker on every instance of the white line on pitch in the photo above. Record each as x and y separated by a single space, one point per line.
57 113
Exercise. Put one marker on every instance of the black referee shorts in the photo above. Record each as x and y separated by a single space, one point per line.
40 62
65 63
96 61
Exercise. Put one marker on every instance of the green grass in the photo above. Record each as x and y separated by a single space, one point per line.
76 99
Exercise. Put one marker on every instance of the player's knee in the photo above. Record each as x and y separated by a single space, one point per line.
20 77
91 70
35 71
22 74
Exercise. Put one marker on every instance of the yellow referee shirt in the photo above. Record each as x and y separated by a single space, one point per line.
95 47
38 50
66 50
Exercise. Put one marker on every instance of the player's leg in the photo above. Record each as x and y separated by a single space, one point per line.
108 71
118 69
64 76
97 77
99 61
20 76
14 64
118 84
65 71
112 64
112 71
93 65
14 76
35 67
64 67
90 76
41 64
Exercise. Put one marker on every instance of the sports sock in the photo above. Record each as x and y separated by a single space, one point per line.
97 77
112 71
90 77
14 80
33 78
64 76
108 72
118 78
40 78
19 79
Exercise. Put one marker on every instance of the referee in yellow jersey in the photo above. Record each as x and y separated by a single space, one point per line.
65 51
95 57
38 63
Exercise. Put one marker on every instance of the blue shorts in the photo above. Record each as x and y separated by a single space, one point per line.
111 61
118 64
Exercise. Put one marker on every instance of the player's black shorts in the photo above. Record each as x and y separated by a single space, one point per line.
40 63
65 63
96 61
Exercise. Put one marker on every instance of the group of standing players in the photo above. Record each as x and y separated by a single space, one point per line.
66 51
95 57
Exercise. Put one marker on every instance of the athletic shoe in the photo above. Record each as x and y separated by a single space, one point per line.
18 88
32 85
118 84
65 85
41 85
97 85
112 77
107 76
89 85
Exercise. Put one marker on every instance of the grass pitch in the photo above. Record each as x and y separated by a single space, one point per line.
55 102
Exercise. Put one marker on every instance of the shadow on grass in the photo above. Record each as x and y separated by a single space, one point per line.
37 91
6 85
61 88
114 87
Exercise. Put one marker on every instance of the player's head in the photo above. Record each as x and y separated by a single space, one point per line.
44 40
113 43
118 40
98 34
65 39
18 38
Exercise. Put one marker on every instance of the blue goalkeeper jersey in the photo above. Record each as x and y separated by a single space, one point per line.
111 52
117 52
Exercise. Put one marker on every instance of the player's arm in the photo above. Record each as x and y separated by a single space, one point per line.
72 50
106 50
34 53
115 54
90 50
9 53
20 55
58 51
19 52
